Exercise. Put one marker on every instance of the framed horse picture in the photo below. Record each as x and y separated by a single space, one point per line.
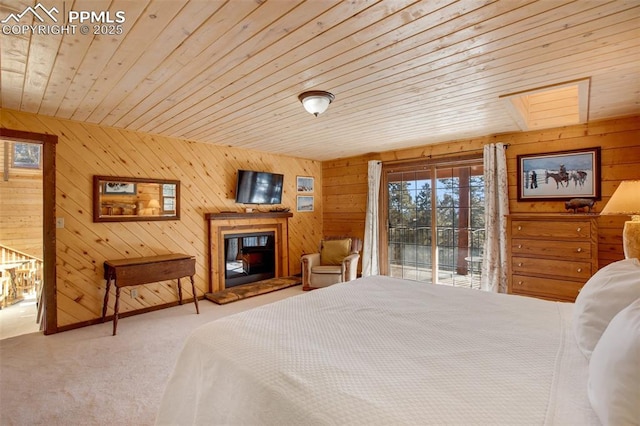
559 175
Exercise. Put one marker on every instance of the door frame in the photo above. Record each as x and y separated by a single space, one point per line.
48 143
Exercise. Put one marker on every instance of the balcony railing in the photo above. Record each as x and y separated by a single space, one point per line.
410 247
20 274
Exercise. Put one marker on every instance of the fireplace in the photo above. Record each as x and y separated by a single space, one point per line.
249 257
271 246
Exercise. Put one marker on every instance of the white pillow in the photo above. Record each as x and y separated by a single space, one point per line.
609 291
614 370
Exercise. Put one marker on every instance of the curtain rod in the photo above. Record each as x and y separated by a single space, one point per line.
431 156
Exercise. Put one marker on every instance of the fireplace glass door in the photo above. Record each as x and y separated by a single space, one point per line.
249 258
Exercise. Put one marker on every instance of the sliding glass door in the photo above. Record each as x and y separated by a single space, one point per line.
409 224
435 222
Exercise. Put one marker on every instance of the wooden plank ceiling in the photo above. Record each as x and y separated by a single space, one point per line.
404 72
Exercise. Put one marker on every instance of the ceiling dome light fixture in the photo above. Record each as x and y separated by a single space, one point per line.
316 101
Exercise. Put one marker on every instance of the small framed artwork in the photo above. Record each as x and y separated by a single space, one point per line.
305 203
559 175
26 156
304 184
119 188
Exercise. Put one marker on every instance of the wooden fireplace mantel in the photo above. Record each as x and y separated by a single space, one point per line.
221 224
244 216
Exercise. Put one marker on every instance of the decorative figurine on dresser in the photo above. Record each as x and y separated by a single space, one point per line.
576 204
551 256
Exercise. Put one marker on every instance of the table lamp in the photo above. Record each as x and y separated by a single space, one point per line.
626 201
153 205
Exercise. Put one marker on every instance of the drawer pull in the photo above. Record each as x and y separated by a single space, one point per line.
579 229
579 250
519 246
519 282
520 264
579 269
519 228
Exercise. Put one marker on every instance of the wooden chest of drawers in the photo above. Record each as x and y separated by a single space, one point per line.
551 256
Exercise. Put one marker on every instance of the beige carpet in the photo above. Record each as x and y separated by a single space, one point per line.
254 289
89 377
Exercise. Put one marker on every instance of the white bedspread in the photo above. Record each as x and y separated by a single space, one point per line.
383 351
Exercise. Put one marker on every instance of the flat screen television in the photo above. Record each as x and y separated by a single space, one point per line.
258 187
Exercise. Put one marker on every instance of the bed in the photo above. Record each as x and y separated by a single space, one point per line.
381 350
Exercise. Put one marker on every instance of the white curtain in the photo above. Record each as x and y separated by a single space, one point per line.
370 265
494 262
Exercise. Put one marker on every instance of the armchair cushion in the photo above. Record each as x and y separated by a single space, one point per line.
333 252
327 269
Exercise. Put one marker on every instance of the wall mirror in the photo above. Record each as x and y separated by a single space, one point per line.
127 199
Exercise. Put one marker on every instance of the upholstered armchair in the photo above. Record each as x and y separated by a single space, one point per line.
336 262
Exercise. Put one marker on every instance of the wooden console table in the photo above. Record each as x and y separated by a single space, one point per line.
144 270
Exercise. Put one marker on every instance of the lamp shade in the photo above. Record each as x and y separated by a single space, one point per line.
153 204
626 201
316 101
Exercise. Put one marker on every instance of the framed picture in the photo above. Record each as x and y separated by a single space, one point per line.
305 203
559 175
304 184
119 188
27 156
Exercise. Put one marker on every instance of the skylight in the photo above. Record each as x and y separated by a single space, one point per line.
558 105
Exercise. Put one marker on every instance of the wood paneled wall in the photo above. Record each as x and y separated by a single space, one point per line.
207 176
345 180
20 205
